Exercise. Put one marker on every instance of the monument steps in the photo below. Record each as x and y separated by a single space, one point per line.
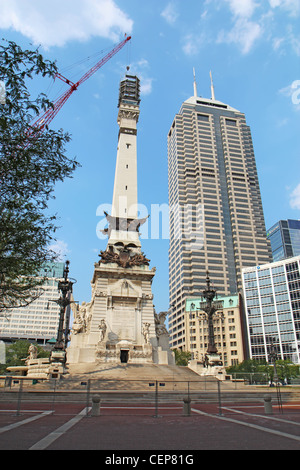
131 372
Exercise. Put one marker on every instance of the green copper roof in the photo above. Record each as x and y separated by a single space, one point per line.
229 301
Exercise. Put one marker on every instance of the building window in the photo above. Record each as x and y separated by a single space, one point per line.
230 122
202 117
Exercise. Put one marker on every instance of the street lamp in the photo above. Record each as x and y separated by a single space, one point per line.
210 307
65 286
273 357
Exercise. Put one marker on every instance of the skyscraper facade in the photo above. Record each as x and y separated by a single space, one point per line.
285 239
38 321
216 215
272 306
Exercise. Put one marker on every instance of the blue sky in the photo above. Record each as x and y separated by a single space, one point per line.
253 50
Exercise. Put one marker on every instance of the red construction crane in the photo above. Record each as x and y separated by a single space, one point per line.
38 126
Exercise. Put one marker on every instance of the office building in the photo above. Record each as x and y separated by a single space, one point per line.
216 215
228 329
285 239
38 321
272 306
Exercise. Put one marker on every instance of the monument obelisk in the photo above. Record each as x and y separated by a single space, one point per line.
119 324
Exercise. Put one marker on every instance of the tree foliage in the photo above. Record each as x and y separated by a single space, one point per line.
182 358
255 371
30 165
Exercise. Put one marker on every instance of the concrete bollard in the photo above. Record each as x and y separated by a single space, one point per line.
187 406
95 405
268 405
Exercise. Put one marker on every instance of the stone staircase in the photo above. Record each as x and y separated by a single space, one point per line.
144 383
130 372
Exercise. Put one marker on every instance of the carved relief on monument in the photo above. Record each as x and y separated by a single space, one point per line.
122 224
123 256
112 352
125 289
82 317
128 114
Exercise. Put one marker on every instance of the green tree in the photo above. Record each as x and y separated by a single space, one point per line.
16 352
182 358
30 165
255 371
250 369
286 370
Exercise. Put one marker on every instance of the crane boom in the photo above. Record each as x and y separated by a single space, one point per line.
38 126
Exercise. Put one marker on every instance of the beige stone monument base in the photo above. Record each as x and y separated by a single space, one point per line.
43 368
83 351
212 369
125 352
20 370
162 354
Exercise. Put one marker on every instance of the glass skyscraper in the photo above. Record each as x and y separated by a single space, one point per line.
272 306
216 215
285 239
38 321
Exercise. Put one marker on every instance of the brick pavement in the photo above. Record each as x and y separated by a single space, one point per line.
122 428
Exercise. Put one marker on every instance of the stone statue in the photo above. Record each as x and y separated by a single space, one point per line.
82 317
160 328
79 318
78 326
32 350
88 315
146 332
102 328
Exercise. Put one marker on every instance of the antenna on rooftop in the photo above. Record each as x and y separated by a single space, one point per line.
195 84
212 87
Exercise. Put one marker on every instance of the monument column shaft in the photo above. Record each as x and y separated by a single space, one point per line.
125 199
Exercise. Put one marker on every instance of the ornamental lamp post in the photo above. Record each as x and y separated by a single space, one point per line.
272 357
65 286
210 307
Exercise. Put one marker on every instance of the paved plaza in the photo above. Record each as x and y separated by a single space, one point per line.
132 428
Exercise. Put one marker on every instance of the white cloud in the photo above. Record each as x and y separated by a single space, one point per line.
277 43
60 248
193 42
57 22
242 8
295 42
146 86
244 33
190 46
295 198
291 6
170 13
